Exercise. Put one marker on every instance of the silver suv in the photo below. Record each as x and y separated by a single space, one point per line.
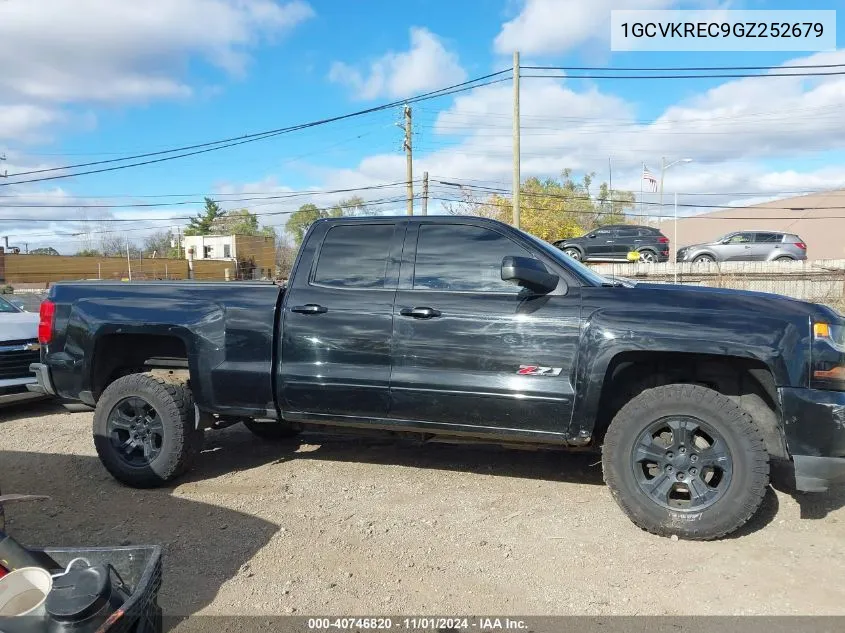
746 246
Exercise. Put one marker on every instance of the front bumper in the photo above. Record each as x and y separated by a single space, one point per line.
814 425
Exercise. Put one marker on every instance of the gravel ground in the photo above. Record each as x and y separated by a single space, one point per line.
339 525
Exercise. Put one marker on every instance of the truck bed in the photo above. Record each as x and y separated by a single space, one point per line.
226 327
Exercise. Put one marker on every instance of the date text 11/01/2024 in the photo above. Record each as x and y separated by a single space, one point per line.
417 624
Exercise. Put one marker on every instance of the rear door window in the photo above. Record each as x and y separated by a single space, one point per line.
632 232
354 256
768 238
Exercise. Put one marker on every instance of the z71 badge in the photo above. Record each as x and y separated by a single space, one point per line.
536 370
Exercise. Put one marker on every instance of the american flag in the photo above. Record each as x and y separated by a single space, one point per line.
649 180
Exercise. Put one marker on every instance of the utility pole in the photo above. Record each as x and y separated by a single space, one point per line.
662 174
610 182
675 237
409 160
5 172
128 261
516 177
425 194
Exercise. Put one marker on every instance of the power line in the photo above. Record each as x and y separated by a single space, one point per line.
691 76
279 196
827 192
498 190
161 221
653 215
682 68
212 146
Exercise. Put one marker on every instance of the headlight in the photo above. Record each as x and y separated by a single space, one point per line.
828 356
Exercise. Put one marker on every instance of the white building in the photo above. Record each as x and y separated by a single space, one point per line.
210 246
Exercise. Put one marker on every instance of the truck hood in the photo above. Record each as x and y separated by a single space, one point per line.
18 326
704 297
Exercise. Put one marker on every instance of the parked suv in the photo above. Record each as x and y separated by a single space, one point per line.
614 242
747 246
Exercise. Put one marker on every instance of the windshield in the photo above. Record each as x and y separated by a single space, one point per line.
5 306
564 260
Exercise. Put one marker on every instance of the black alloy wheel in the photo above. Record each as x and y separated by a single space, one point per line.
136 431
682 463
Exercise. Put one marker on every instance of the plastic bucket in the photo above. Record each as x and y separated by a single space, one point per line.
23 592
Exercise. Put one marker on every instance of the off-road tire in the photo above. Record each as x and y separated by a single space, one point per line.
750 462
272 431
182 442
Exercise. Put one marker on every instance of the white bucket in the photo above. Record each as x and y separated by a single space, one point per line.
24 591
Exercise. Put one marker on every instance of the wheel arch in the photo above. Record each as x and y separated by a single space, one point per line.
749 382
117 354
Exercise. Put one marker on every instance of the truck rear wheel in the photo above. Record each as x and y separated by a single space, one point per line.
685 460
271 431
144 429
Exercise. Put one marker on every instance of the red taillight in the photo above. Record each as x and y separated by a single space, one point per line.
801 245
47 312
662 240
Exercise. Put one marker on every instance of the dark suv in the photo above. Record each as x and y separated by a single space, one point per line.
615 241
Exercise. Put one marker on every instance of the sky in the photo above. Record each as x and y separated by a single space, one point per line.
93 80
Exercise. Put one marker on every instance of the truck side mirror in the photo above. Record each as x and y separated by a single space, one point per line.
528 272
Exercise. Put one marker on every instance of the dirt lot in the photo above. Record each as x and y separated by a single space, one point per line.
337 525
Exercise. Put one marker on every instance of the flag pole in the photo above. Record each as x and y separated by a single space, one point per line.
642 175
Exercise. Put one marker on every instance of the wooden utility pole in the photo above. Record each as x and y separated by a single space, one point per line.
425 194
516 177
409 160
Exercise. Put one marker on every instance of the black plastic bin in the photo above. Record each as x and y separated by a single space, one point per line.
140 568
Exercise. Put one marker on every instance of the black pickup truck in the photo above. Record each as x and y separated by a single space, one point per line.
462 328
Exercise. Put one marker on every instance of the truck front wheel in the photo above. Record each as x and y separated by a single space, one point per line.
685 460
144 429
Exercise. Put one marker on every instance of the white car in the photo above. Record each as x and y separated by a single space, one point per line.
18 348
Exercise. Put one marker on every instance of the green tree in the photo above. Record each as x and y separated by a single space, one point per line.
301 219
46 250
203 222
241 222
551 208
89 252
351 206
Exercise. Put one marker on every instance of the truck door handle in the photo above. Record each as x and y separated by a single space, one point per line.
420 313
310 308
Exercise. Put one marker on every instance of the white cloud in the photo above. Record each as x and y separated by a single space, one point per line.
21 122
545 27
554 26
89 51
425 66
